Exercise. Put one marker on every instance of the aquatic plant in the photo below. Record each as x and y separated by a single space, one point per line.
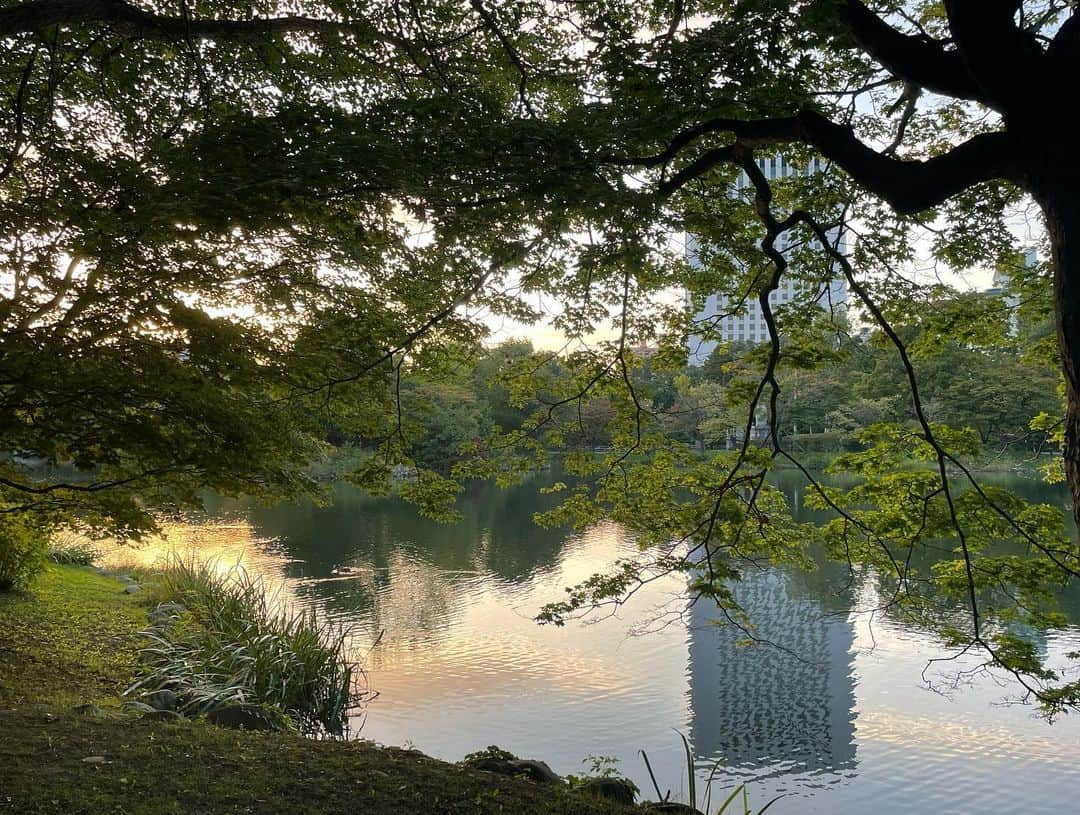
235 642
739 794
72 552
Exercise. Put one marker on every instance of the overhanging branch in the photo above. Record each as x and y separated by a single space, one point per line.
1007 63
908 186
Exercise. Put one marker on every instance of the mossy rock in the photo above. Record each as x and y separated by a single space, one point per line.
247 717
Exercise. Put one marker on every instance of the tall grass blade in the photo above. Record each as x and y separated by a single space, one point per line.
730 798
691 777
652 776
238 643
773 801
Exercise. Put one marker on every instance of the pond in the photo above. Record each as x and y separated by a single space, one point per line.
838 718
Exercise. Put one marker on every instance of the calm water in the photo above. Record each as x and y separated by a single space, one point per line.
840 719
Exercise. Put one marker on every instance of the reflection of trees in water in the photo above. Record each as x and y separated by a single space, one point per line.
411 601
496 533
786 707
378 560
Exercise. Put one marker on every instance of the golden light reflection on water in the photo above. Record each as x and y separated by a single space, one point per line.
911 731
444 634
224 542
425 632
225 545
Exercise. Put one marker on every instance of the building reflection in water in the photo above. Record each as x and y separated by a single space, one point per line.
780 706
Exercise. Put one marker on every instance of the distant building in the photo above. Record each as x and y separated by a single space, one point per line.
749 324
1000 288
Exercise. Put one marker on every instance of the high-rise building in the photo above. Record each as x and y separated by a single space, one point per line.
748 325
1001 288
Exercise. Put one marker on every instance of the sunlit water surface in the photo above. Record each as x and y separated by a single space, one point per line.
838 717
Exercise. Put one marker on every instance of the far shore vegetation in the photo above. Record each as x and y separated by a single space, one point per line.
822 411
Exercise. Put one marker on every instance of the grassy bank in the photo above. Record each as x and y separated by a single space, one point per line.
73 641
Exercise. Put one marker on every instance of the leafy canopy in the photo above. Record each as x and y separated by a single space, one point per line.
228 226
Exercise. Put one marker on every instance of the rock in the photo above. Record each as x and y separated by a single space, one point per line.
163 716
671 808
94 760
537 771
90 709
132 588
165 614
138 707
163 699
244 717
532 769
619 790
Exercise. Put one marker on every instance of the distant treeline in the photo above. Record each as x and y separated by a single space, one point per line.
996 390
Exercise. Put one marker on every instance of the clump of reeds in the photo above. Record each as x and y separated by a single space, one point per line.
738 797
235 643
72 553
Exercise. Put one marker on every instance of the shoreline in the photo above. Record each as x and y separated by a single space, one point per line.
68 648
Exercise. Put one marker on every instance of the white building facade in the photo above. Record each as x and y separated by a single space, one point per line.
748 325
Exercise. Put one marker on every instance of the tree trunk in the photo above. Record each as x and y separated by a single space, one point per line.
1062 210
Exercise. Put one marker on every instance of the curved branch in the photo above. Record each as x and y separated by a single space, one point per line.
511 52
917 60
908 186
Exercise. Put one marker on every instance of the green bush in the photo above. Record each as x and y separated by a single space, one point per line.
23 546
834 441
235 644
490 752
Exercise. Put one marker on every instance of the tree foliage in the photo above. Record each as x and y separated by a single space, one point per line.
225 226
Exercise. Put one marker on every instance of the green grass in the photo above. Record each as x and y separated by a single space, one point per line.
157 769
737 801
73 640
70 639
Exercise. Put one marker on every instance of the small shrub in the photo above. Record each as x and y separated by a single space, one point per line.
490 752
601 767
23 546
235 645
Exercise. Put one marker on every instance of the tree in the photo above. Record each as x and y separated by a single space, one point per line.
220 220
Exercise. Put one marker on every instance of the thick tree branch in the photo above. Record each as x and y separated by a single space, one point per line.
908 186
915 60
912 186
1063 53
1007 63
135 22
